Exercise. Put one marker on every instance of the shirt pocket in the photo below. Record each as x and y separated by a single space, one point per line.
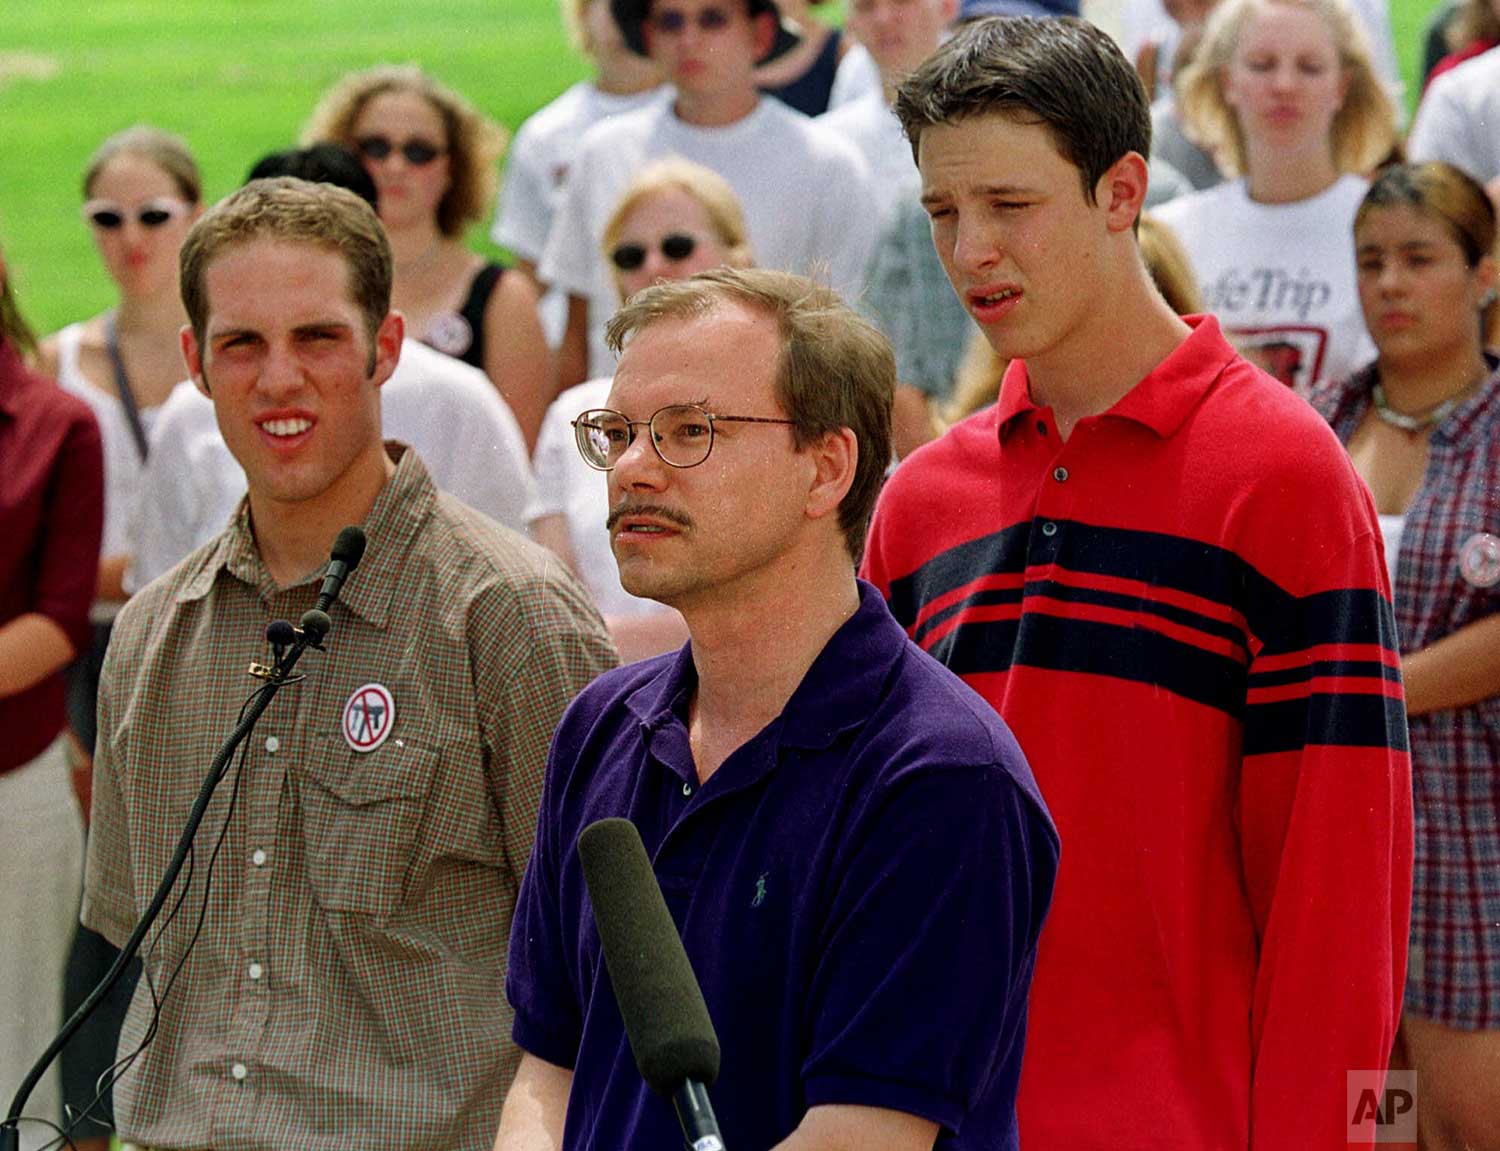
361 816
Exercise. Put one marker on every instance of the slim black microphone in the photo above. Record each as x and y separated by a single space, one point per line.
660 1001
348 550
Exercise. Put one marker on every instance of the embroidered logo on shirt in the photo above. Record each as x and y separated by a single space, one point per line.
760 889
369 716
1479 560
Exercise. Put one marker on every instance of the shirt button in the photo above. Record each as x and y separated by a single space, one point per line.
239 1071
1060 475
687 789
256 971
1049 528
273 745
258 857
1041 426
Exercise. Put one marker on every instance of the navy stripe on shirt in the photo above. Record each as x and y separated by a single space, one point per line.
1144 637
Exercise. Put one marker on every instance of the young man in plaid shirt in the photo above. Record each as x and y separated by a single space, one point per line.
336 976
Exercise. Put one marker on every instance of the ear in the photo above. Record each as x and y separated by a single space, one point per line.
834 458
388 339
1121 191
765 35
192 357
1486 275
950 11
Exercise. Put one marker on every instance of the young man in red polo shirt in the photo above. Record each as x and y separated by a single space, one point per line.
1158 566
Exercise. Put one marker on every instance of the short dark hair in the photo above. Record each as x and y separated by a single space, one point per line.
320 164
836 370
1060 72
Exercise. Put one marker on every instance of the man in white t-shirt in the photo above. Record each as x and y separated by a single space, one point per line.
808 197
1459 119
446 410
899 34
540 154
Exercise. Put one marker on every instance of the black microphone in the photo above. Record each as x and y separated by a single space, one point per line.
666 1019
348 550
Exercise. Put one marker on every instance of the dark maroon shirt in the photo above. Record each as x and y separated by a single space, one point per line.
51 518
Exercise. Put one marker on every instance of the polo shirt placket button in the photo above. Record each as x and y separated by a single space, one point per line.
1049 529
1060 474
687 789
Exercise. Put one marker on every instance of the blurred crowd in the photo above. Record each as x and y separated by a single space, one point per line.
1348 254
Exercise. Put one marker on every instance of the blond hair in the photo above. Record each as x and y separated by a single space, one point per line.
294 211
168 152
474 142
13 327
1364 128
836 370
712 193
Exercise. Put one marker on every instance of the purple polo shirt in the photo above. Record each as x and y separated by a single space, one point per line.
51 518
859 888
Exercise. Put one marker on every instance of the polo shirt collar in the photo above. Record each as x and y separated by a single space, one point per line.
1162 400
392 525
839 692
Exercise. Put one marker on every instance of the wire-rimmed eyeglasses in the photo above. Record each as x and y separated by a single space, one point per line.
682 434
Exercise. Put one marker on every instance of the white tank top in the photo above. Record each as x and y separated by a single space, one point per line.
1391 529
123 466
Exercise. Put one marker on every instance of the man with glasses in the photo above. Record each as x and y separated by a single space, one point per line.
849 841
808 196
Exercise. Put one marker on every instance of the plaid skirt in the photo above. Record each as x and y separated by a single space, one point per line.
1453 977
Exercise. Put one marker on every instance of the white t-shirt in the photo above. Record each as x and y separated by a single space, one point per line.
568 487
857 76
1280 277
1459 119
871 126
535 168
447 411
808 198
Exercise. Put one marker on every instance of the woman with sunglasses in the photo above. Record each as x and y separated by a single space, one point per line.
675 219
433 158
141 192
1422 426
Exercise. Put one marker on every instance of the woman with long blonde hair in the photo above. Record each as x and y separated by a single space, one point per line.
1285 96
433 158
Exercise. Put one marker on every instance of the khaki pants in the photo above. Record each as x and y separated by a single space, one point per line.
41 868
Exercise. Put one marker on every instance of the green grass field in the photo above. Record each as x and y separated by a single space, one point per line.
237 78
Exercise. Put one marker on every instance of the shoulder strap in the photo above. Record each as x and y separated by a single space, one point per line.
122 385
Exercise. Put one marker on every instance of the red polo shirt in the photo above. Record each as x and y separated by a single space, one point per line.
1183 614
51 517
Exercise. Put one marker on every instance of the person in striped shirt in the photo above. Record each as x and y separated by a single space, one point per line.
1160 568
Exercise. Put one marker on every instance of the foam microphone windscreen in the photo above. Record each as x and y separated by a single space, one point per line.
660 1001
349 548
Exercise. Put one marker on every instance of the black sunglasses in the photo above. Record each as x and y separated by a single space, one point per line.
672 22
108 215
417 152
675 246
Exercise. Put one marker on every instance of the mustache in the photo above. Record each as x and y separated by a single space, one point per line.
655 511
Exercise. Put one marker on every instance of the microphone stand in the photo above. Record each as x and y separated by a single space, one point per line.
315 625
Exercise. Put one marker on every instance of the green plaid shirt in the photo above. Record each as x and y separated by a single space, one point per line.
347 985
